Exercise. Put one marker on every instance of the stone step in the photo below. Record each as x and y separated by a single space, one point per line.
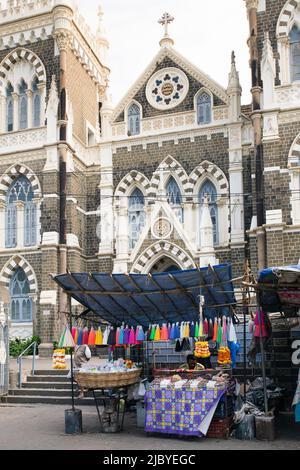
45 392
47 385
51 372
27 399
48 378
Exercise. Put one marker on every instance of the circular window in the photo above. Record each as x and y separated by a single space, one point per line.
167 88
162 228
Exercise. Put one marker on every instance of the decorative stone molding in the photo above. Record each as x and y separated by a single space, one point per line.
21 140
133 178
294 169
15 171
286 17
149 257
63 39
288 96
169 166
11 266
26 33
181 61
18 55
211 171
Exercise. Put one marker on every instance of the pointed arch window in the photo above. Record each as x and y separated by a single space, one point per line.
134 120
20 192
137 217
21 303
208 190
175 198
204 108
9 108
295 53
36 98
23 106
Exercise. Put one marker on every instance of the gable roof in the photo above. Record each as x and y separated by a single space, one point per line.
171 53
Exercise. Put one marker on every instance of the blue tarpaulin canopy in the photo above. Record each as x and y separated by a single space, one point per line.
140 299
280 289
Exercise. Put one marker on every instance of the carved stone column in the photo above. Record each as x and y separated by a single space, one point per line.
16 111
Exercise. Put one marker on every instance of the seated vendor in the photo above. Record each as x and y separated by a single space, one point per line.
191 364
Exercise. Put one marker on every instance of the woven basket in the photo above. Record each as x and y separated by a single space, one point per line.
107 380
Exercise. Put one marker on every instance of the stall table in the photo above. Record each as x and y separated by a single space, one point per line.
185 411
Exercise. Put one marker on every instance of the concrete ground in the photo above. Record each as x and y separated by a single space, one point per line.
42 427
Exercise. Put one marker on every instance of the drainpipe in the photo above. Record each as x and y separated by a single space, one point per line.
256 116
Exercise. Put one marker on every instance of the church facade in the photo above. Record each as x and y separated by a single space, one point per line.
178 175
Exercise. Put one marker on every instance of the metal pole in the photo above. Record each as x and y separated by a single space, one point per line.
245 311
72 372
33 359
20 372
263 363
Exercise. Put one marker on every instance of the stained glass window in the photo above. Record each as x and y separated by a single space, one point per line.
21 303
23 106
209 190
36 103
20 190
9 108
137 217
295 53
174 198
204 108
134 120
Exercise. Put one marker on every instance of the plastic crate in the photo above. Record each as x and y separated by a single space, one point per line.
220 428
225 407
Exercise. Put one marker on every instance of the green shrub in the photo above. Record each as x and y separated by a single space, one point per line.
18 345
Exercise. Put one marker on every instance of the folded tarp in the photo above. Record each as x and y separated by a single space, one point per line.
280 289
140 299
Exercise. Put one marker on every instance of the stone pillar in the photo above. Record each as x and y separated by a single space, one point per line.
20 224
207 253
42 90
29 109
16 111
122 237
190 218
2 224
236 184
2 114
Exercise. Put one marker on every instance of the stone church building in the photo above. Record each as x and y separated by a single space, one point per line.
178 175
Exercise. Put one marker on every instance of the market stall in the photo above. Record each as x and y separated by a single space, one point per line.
184 307
4 341
279 291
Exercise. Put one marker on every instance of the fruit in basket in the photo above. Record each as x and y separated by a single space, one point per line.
129 364
202 349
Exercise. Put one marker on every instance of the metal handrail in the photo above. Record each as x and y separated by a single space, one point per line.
19 361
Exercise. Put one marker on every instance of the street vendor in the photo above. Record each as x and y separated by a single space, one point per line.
191 364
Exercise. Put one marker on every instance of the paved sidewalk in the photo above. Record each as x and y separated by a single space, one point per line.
42 428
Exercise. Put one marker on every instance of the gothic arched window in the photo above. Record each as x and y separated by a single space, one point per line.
204 108
9 108
36 98
23 106
208 190
137 216
174 198
20 197
295 53
21 303
134 120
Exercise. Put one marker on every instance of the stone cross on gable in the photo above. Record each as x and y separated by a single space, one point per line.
165 20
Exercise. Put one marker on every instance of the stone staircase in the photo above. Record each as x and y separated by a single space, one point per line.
50 387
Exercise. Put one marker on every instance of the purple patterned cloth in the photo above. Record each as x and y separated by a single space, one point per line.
179 411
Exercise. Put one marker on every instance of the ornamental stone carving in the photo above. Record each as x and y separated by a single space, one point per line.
63 39
162 228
